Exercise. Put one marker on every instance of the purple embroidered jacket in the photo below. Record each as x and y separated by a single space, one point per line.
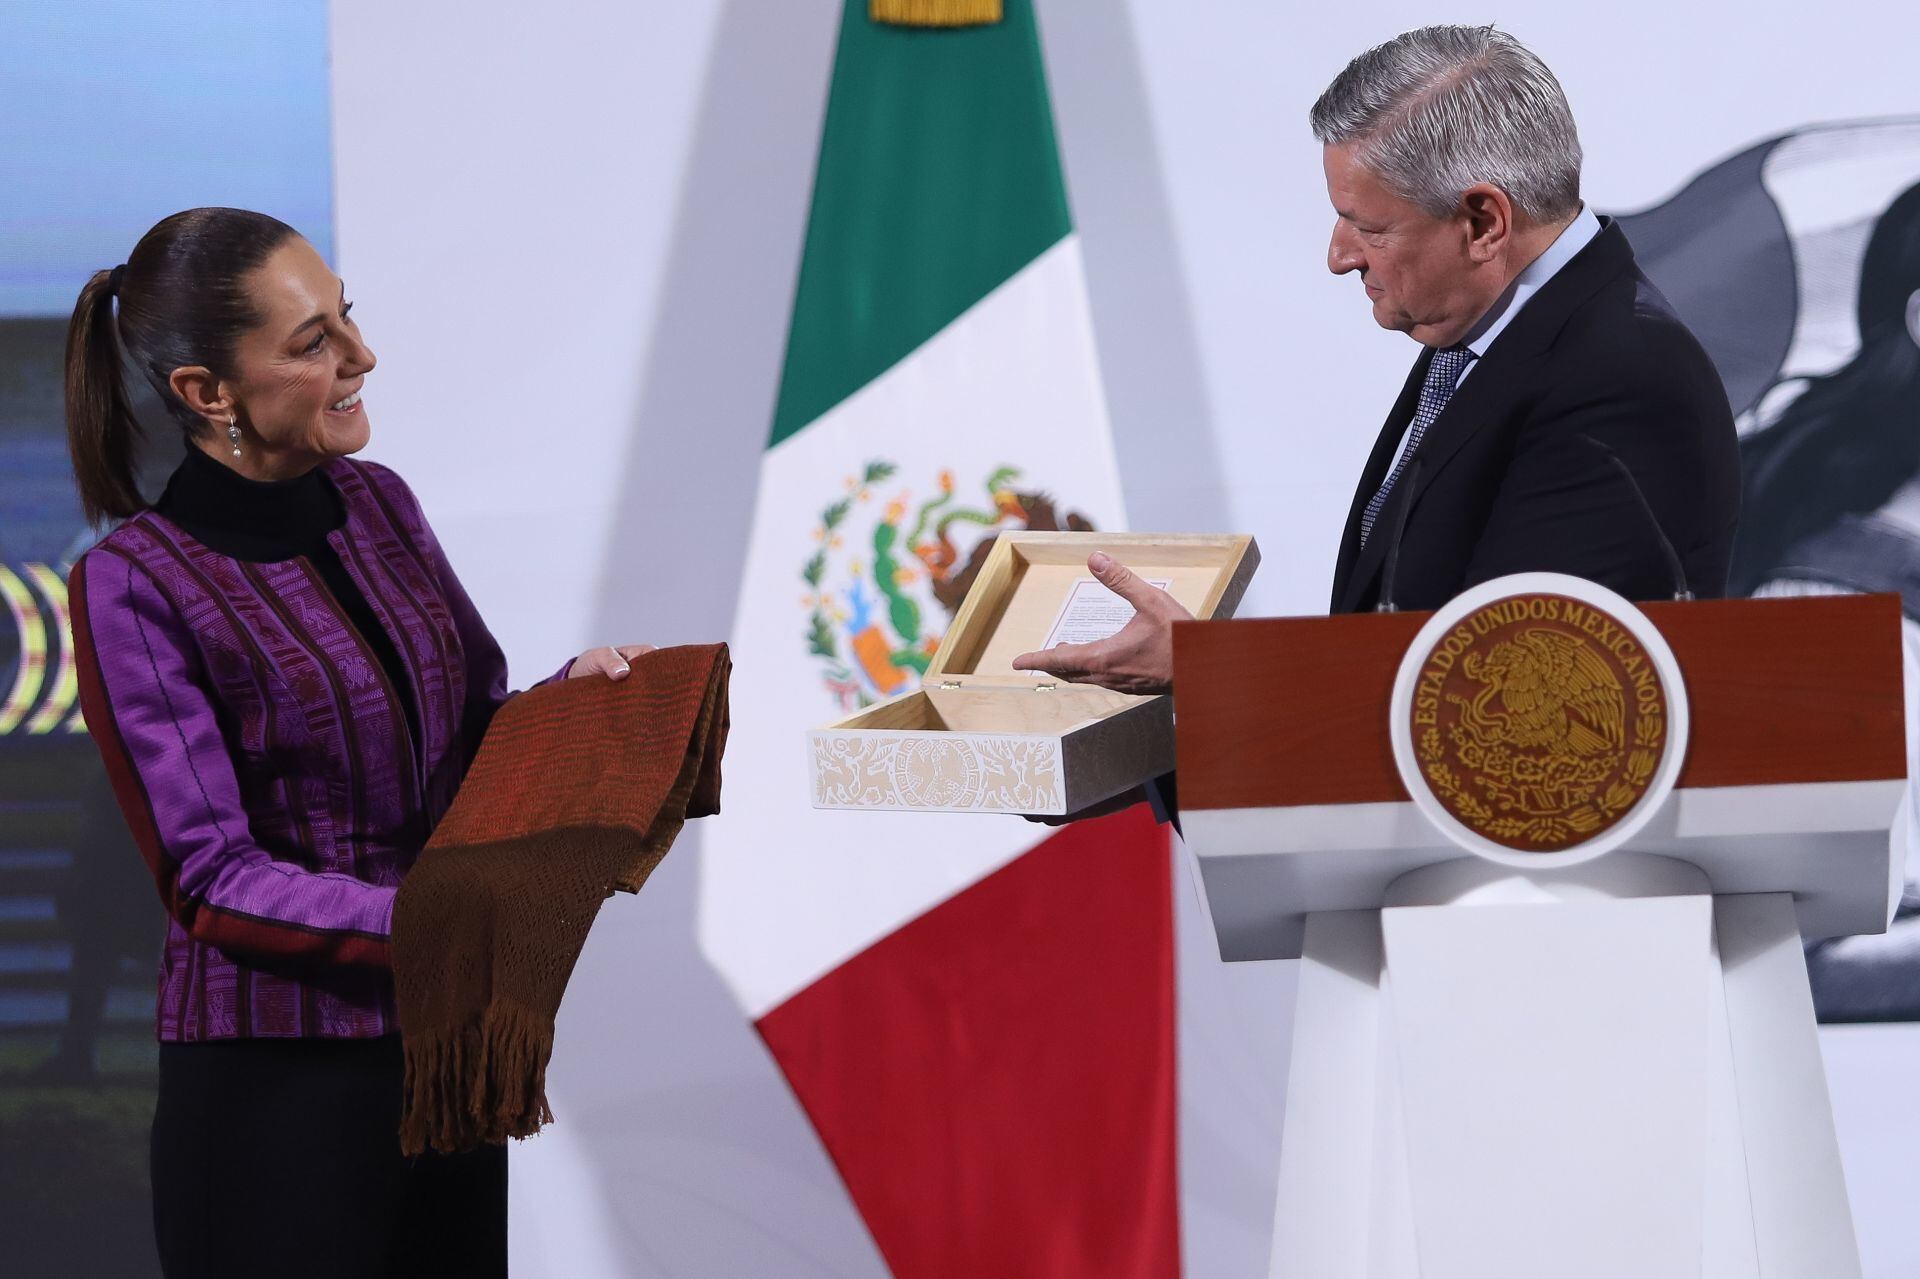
262 758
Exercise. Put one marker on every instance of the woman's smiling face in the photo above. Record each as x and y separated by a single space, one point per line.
297 373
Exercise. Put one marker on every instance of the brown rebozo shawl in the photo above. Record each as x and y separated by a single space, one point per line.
579 789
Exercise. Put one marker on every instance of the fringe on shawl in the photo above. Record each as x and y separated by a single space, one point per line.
480 1082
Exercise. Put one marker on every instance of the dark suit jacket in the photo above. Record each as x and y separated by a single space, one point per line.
1507 484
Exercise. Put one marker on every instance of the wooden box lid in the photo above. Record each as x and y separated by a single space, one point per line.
1024 588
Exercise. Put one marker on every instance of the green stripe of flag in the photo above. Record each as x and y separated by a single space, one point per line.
938 181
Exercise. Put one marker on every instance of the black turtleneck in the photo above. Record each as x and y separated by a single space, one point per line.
267 521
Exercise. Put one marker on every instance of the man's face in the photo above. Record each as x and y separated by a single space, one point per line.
1416 267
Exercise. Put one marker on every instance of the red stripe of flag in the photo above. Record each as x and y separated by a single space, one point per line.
995 1081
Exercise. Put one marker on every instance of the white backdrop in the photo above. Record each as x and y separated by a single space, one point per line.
572 230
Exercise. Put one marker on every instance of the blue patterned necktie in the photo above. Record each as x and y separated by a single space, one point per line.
1443 374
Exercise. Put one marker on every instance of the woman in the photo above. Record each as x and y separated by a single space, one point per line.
286 682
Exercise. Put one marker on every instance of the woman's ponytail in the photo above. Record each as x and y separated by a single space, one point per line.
102 433
181 299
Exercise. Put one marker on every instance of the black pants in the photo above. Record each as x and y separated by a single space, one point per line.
282 1157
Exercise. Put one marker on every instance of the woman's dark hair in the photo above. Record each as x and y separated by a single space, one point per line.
1852 439
183 301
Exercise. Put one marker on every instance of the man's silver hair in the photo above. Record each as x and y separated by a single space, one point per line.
1437 110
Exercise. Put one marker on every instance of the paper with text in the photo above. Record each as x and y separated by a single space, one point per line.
1092 612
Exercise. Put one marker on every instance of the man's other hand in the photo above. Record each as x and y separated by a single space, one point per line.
1138 658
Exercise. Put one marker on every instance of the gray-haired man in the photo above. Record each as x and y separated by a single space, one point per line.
1454 169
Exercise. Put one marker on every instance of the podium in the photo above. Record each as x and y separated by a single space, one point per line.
1598 1059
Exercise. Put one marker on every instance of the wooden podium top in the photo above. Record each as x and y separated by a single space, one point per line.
1292 711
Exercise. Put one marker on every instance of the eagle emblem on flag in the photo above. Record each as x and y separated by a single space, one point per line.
891 564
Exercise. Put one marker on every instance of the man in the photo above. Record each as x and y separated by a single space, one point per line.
1453 166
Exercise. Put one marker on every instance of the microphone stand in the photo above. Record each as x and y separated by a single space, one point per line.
1681 591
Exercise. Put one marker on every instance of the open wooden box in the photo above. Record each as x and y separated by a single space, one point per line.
979 736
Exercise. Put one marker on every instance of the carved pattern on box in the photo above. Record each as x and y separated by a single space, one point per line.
997 774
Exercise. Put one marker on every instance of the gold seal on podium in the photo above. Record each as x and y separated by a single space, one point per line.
1539 721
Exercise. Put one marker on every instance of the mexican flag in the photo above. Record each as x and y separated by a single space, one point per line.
976 1012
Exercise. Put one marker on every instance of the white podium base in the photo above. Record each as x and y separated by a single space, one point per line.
1596 1072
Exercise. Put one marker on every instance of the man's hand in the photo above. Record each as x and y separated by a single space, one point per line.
1138 659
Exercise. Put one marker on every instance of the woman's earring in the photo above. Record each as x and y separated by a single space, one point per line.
233 433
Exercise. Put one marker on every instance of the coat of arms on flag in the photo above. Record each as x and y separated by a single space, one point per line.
890 567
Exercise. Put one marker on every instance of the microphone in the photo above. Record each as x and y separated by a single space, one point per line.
1680 589
1405 485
